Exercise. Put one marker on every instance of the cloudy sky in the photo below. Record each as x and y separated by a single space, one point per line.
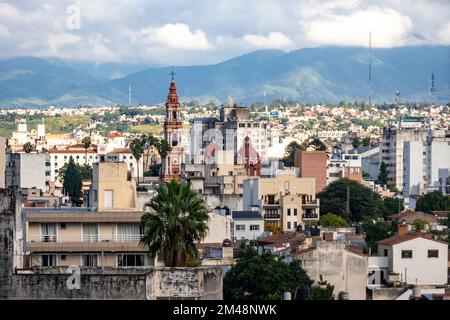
183 32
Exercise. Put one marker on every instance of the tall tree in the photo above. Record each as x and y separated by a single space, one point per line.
333 221
392 206
375 231
87 142
289 153
137 150
262 277
72 182
163 148
27 147
177 223
433 201
383 175
362 200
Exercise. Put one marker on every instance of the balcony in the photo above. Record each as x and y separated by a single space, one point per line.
86 243
269 216
80 215
311 203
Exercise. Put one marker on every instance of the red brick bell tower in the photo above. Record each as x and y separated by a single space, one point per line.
172 134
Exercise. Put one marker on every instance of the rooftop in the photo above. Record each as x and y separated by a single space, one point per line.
246 215
407 237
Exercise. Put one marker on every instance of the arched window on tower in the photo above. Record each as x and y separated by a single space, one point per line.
174 140
174 115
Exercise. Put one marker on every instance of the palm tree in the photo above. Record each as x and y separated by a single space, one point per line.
163 148
137 150
27 147
148 141
177 223
86 144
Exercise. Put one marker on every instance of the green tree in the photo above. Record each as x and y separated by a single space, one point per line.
72 183
383 175
85 171
163 148
366 141
323 290
433 201
356 142
87 142
262 277
137 150
333 221
419 224
392 205
177 223
375 231
27 147
314 144
289 153
363 201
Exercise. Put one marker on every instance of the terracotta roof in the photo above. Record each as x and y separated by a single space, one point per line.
403 214
355 250
407 237
282 237
121 150
297 253
115 134
351 236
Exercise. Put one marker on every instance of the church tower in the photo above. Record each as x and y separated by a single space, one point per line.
172 134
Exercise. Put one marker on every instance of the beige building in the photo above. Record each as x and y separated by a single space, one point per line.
285 201
105 234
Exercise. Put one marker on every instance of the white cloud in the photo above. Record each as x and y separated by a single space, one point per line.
4 32
311 8
178 36
60 40
444 34
272 40
389 28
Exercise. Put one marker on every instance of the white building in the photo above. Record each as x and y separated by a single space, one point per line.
28 170
416 258
248 225
58 158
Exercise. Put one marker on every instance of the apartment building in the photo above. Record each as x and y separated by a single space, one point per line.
285 201
28 170
344 166
313 164
125 155
395 133
58 158
107 233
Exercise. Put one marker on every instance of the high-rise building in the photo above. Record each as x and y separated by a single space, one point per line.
313 164
394 134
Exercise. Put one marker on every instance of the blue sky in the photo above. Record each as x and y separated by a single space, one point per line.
185 32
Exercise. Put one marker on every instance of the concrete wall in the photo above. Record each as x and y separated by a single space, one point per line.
2 161
345 270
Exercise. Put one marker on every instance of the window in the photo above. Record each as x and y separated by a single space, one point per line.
63 257
433 253
295 224
241 125
62 225
386 252
129 232
48 232
295 211
406 254
288 212
130 260
89 260
49 260
109 199
240 227
90 232
254 227
289 225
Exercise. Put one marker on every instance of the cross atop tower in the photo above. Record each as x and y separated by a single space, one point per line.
172 73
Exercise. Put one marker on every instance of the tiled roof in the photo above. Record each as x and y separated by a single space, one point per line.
441 214
286 237
407 237
355 250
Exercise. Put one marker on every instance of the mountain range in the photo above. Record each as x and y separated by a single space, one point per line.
323 74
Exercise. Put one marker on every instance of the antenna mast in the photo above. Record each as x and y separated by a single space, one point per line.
370 68
129 94
433 88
